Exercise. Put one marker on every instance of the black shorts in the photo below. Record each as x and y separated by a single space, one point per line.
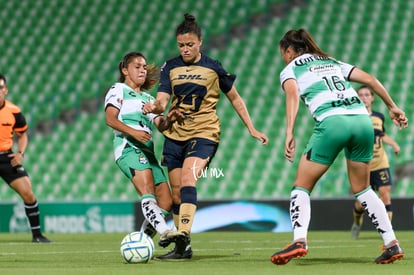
7 171
175 152
380 177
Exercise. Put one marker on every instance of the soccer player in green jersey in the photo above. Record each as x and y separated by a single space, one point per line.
341 123
133 144
380 176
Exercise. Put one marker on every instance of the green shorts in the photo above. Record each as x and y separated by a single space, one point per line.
353 133
135 159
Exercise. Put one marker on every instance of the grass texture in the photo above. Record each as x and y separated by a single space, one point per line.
330 252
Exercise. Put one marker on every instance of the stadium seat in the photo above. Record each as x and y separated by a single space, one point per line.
62 55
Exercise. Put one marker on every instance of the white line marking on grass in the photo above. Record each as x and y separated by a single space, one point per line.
270 248
57 252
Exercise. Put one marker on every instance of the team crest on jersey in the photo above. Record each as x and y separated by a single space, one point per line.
143 159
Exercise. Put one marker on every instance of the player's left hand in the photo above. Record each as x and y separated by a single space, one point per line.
401 121
16 159
175 116
397 149
260 136
398 117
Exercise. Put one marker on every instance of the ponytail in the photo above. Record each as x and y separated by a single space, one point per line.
302 42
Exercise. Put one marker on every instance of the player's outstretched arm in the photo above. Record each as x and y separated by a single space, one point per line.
396 114
158 106
241 109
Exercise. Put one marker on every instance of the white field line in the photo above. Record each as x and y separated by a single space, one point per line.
197 250
57 252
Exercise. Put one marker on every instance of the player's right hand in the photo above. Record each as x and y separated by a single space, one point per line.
148 108
140 135
290 147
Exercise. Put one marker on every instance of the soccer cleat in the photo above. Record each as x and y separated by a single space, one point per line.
150 231
182 249
40 239
167 237
390 255
173 255
182 241
294 250
355 229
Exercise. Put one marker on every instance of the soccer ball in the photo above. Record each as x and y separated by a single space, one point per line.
137 247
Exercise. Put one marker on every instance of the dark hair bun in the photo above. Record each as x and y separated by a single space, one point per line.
189 17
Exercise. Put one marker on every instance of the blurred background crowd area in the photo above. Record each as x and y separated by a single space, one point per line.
60 57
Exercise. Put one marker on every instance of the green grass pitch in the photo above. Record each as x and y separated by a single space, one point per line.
330 252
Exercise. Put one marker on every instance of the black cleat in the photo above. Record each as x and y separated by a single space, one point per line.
390 255
173 255
168 237
182 241
182 249
40 239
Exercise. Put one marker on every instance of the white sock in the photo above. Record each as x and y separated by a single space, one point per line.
147 228
152 213
376 211
300 213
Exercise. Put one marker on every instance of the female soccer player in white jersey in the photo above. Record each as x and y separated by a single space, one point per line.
133 144
341 123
